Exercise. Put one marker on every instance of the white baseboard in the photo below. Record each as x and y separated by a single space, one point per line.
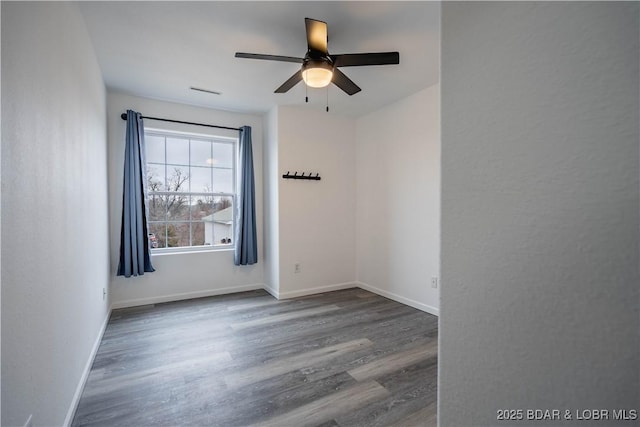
187 295
312 291
407 301
328 288
274 292
85 373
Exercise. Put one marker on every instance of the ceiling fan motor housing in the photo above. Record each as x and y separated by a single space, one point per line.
322 62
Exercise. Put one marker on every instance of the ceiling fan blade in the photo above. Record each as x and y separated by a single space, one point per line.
293 80
359 59
269 57
344 82
316 35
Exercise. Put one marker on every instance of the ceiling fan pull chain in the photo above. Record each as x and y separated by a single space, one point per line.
327 99
306 93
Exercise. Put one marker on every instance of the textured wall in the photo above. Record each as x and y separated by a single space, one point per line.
55 248
540 193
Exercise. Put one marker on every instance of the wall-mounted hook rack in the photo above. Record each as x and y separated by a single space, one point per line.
310 177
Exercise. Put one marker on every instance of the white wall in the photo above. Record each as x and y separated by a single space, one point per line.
0 222
540 216
398 199
54 210
318 142
183 275
271 215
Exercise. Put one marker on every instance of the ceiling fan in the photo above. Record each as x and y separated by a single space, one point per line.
319 68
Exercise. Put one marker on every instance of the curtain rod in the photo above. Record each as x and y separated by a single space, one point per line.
124 117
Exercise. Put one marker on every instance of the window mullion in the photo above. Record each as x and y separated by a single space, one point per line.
166 205
190 200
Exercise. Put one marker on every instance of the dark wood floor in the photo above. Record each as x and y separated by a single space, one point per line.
345 358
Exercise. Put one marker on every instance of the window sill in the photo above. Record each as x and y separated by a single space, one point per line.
184 251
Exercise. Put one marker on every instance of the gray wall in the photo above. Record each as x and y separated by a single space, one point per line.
55 240
540 215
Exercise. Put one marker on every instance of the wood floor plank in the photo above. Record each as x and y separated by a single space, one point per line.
103 386
256 402
284 317
265 302
410 389
394 362
386 343
424 417
361 319
243 359
292 363
326 408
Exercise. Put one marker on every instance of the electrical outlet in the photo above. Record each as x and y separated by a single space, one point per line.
434 282
297 268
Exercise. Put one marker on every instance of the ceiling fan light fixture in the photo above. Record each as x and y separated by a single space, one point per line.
319 69
317 74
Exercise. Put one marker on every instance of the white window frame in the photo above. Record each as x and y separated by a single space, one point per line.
234 195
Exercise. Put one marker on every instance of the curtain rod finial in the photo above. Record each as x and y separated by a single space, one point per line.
123 116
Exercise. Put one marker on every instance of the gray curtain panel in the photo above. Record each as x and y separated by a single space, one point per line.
135 256
246 245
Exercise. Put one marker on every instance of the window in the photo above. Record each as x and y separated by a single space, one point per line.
191 185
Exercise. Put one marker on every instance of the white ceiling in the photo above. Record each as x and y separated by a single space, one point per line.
159 49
